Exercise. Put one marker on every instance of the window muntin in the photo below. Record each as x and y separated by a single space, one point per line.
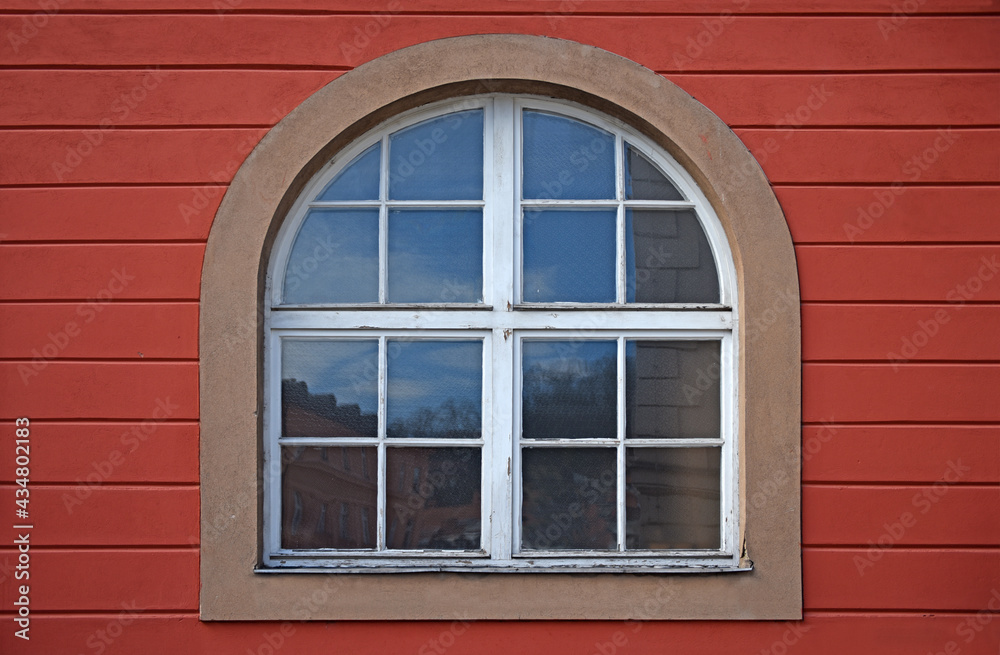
653 205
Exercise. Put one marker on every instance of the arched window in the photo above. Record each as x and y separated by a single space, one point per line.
519 312
545 306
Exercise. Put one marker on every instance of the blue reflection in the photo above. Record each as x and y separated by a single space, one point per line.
334 258
566 159
358 181
434 388
435 255
438 159
569 255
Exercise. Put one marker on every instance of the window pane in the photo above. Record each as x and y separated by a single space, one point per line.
329 388
325 493
672 498
569 389
434 498
438 159
569 255
644 181
359 180
568 498
435 389
436 255
566 159
334 259
672 389
668 258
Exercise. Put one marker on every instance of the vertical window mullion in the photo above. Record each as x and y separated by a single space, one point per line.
621 444
383 224
620 271
381 493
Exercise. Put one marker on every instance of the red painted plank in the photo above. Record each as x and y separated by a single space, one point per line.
91 515
818 634
128 331
953 274
794 101
916 392
116 453
936 515
186 156
180 97
204 97
147 391
100 274
899 157
661 43
887 214
899 578
554 8
147 579
120 214
896 333
910 453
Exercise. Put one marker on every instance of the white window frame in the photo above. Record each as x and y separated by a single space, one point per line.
503 321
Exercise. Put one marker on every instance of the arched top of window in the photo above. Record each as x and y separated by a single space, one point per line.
398 217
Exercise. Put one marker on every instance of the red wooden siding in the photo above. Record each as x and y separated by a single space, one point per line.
880 134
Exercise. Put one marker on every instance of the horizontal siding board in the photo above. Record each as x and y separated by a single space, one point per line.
823 156
204 97
659 43
818 634
906 453
116 453
876 214
119 330
895 332
899 579
89 514
70 390
936 393
554 8
211 156
936 515
182 156
109 213
77 580
100 274
953 274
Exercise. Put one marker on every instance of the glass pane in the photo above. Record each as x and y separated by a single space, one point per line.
569 255
358 181
668 258
326 495
566 159
672 389
672 498
435 389
568 498
334 258
569 389
329 388
438 159
644 181
433 498
435 255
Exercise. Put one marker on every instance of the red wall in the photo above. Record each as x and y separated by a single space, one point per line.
127 218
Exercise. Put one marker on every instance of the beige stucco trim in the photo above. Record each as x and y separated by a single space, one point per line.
233 281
